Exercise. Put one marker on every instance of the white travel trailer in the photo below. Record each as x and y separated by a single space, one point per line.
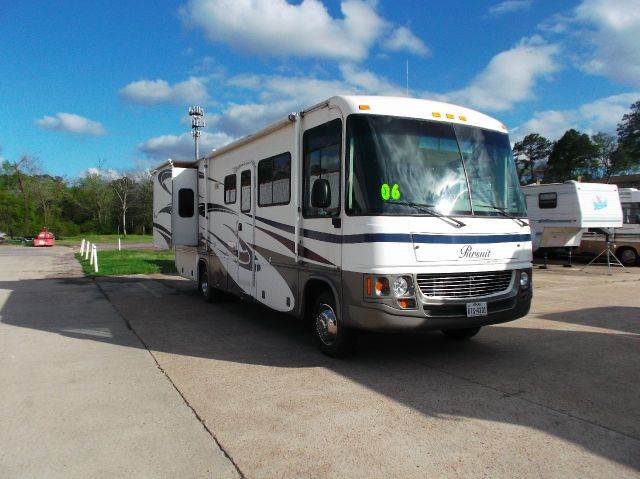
360 212
561 212
625 240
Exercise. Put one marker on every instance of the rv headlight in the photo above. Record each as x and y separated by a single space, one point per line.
402 286
524 280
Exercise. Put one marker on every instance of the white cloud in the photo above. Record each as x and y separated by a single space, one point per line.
279 28
363 81
279 95
510 77
108 173
71 123
154 92
509 6
603 36
404 39
180 147
600 115
613 29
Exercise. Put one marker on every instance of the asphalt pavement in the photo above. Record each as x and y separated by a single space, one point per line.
554 394
80 396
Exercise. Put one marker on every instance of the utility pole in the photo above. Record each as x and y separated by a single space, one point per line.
197 122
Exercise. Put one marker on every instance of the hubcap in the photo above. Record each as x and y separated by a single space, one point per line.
326 324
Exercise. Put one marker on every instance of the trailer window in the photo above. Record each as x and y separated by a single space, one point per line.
322 146
274 180
547 200
631 213
229 189
245 191
185 202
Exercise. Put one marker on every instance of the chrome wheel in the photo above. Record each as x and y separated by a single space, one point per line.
326 324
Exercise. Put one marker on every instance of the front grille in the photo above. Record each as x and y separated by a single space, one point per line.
464 285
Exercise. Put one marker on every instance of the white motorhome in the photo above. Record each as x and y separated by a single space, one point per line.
360 212
630 200
560 213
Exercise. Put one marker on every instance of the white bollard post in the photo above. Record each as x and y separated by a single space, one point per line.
119 245
86 253
82 247
95 258
93 250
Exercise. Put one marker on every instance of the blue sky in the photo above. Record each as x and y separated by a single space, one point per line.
101 83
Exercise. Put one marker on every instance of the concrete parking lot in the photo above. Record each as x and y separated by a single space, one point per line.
232 388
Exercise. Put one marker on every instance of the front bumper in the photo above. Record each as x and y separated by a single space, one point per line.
435 316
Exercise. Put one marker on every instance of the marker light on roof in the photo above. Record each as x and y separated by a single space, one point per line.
462 118
364 107
450 116
436 114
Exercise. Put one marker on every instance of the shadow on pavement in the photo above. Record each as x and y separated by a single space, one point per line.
590 375
615 318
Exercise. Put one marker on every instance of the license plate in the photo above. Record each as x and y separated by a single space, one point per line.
476 309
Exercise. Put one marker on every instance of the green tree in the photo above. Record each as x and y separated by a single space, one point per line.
19 175
573 156
124 189
629 131
142 203
628 154
606 147
47 194
94 198
529 153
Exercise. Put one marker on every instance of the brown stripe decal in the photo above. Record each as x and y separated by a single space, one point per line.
289 244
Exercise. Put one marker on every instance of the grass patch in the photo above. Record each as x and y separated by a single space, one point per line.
12 241
75 240
129 261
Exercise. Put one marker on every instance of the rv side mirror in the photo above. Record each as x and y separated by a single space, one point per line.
321 193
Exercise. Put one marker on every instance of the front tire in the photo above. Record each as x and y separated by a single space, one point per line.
461 334
330 335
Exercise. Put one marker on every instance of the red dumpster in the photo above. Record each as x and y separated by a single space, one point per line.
44 238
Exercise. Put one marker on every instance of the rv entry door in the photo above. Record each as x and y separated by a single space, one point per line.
184 211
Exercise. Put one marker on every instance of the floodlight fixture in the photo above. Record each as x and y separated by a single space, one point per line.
197 122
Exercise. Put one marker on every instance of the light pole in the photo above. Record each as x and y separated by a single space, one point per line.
197 122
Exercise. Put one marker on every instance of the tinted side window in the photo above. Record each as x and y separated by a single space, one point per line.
547 200
274 180
245 191
322 146
229 189
185 202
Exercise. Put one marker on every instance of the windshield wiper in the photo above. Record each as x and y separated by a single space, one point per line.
428 209
503 212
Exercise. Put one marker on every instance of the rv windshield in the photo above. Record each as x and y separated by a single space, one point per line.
454 169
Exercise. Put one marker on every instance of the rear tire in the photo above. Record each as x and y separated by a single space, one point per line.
331 337
627 256
461 334
210 294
